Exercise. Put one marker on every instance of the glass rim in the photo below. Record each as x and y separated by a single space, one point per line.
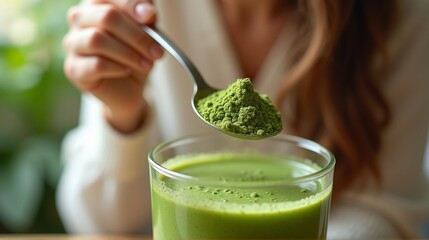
301 142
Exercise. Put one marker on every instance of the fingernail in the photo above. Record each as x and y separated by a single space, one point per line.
156 51
145 64
143 11
73 15
127 70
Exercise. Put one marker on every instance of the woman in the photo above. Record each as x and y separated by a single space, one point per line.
350 75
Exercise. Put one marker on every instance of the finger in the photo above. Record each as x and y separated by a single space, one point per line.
112 20
90 41
86 72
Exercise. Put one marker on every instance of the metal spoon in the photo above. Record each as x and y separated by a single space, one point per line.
201 88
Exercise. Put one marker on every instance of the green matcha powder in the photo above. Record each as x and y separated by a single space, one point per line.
241 109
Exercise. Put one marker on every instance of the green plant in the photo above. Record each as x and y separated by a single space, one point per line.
37 107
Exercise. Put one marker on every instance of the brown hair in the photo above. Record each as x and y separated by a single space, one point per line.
333 89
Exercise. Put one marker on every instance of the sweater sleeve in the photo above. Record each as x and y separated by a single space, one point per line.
104 187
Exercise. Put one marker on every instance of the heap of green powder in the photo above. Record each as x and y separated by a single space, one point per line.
241 109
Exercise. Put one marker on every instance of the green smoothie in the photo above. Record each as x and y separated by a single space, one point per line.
239 196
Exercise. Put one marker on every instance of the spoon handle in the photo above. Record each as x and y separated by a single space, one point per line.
178 54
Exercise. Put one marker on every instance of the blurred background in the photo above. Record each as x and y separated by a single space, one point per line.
37 107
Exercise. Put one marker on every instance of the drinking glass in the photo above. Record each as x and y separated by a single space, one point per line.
219 187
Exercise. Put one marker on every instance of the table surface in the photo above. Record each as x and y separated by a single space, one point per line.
70 237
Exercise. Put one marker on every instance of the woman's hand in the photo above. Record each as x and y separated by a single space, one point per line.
109 55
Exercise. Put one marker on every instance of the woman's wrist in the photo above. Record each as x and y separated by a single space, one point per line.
130 122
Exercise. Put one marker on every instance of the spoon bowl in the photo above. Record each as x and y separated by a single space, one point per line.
201 88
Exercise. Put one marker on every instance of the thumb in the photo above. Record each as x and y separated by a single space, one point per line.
142 11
